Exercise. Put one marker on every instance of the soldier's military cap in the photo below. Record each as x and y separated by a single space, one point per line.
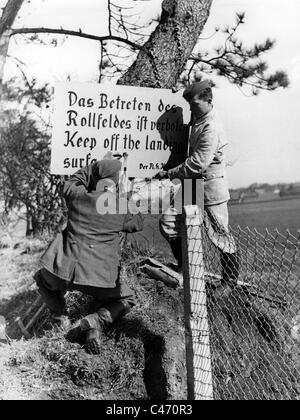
196 88
107 169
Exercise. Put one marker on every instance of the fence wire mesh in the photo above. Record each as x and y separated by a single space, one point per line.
252 333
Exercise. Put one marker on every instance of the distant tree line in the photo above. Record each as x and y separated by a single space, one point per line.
265 191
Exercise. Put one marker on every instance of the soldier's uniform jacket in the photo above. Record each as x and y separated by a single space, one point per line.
87 252
206 159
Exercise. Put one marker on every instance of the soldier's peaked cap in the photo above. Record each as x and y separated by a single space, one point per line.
196 88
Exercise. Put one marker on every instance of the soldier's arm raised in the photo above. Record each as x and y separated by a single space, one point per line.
78 182
202 156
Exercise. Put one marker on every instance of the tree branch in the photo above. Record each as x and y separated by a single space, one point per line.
229 75
109 18
26 31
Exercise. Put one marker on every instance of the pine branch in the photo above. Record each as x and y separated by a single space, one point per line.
80 34
241 65
109 17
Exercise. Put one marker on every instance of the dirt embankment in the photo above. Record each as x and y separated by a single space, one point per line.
142 356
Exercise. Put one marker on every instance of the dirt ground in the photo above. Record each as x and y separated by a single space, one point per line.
141 356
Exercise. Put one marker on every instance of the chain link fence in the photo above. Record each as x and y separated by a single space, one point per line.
245 340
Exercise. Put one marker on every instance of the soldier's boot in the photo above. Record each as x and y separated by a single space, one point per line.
230 269
176 247
94 324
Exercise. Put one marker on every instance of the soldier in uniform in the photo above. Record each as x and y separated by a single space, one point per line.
206 161
86 255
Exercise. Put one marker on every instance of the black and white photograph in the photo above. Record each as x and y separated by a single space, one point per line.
149 203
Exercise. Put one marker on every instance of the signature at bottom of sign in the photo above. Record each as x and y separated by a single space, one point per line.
151 165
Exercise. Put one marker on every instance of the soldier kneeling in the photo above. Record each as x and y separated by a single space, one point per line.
86 256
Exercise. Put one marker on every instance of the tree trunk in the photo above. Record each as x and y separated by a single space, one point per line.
163 57
7 19
159 65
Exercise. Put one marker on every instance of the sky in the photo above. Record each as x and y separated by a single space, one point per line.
263 131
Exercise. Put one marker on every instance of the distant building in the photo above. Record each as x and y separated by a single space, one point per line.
292 190
269 195
249 196
235 197
264 192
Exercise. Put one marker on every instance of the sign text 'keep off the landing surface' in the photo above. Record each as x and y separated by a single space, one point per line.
93 122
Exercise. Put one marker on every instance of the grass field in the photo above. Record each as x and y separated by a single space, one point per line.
281 214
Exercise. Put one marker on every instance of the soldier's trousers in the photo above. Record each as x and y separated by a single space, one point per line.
53 290
216 222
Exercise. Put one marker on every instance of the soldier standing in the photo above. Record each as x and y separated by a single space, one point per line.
206 161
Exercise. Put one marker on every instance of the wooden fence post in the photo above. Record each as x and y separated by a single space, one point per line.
199 369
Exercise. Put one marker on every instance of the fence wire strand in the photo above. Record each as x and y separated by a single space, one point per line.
250 340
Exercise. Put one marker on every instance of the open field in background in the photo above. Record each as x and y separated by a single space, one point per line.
280 214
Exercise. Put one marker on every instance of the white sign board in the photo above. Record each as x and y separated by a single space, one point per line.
93 122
